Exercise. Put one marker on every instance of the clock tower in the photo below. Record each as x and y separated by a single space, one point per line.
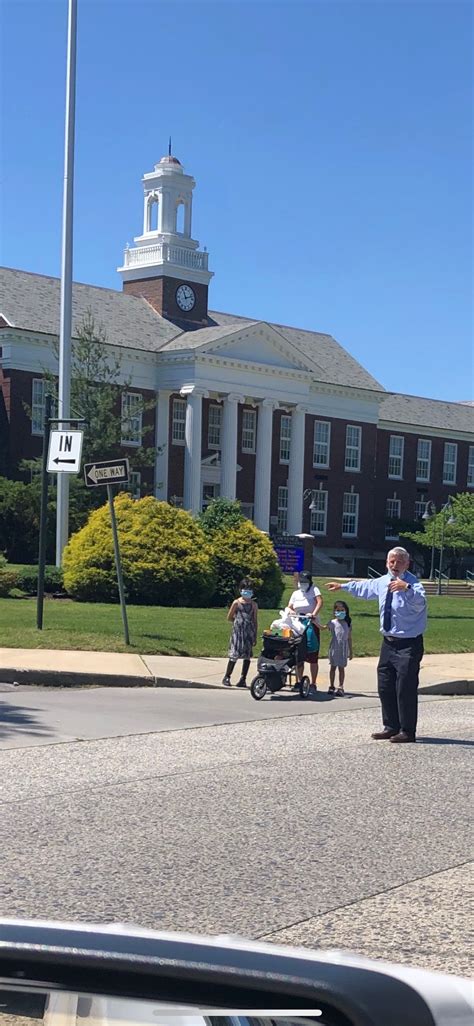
166 266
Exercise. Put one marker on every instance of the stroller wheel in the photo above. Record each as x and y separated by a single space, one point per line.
258 688
304 687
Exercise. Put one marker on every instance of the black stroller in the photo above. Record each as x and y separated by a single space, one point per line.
276 664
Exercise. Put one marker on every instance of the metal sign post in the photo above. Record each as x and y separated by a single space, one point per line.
118 565
109 472
43 515
61 454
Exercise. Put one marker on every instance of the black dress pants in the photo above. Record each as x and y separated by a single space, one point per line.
398 677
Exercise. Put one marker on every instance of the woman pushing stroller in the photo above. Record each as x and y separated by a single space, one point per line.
307 601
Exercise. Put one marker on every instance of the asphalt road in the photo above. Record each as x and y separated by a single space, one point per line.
293 828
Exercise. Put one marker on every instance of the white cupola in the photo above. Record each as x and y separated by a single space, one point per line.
166 247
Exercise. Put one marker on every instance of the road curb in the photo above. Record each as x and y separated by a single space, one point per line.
65 679
449 687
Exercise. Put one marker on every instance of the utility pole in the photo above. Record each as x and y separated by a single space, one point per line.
64 388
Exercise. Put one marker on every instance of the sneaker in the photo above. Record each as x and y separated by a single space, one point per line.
241 683
340 693
227 681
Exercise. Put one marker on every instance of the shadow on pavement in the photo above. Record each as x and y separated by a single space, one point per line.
17 720
445 741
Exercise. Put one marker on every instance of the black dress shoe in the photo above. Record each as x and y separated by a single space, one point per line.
384 735
402 738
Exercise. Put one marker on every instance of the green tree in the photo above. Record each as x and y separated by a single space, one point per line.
96 388
220 513
458 536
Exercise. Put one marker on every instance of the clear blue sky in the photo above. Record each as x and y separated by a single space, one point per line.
330 143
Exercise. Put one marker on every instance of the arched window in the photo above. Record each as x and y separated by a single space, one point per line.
153 216
180 209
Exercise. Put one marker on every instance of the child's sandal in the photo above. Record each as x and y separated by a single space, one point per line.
340 692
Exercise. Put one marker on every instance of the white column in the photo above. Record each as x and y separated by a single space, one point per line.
263 464
160 224
187 216
296 471
145 215
162 421
229 445
193 448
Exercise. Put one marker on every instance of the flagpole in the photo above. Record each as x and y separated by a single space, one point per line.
64 386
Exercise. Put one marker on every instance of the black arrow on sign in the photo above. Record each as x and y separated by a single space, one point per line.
57 460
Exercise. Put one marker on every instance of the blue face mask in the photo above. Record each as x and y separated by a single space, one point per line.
246 593
340 614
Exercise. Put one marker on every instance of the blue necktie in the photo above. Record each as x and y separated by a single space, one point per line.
387 613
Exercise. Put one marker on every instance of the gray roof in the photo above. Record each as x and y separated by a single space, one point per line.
32 302
427 413
332 363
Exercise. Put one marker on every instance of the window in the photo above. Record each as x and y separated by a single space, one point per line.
132 404
450 462
392 514
470 467
395 456
178 426
285 439
353 447
282 522
247 510
420 507
135 482
209 493
37 405
321 444
214 427
249 423
350 514
319 516
423 459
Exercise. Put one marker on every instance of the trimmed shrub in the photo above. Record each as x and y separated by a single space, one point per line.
244 551
28 579
166 558
9 579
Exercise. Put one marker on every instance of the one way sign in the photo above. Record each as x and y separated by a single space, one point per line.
105 472
64 453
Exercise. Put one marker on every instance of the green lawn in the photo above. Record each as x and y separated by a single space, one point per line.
202 632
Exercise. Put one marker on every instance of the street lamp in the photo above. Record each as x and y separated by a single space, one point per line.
430 511
444 520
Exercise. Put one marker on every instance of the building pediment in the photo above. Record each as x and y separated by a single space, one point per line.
258 343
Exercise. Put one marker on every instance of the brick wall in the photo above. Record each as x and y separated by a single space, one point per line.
160 293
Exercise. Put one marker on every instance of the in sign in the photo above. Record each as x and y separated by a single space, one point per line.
64 454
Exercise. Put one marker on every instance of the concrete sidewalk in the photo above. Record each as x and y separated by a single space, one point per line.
445 674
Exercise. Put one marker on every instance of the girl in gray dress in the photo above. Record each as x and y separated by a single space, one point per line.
243 616
340 646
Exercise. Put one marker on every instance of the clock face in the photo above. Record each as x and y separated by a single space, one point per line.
185 297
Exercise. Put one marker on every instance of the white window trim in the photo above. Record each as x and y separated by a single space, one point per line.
351 534
135 482
470 464
285 417
451 481
398 456
322 466
320 534
353 470
214 445
282 508
253 414
131 442
423 480
38 431
392 536
175 420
